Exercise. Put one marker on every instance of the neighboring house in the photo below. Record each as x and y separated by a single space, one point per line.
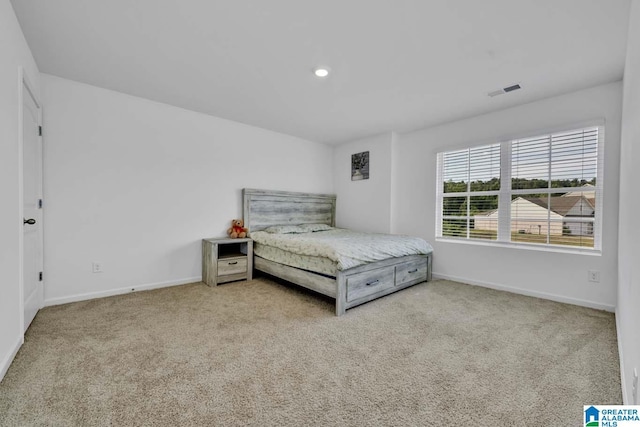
587 190
530 215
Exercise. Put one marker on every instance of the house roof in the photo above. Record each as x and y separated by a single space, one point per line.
587 190
486 213
559 205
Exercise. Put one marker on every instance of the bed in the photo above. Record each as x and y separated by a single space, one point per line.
349 285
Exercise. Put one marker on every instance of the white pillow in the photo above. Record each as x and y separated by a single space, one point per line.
285 229
316 227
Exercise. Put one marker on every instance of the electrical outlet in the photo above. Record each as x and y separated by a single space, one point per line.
594 276
634 387
97 267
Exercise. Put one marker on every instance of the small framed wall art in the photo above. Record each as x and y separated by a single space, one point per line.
360 166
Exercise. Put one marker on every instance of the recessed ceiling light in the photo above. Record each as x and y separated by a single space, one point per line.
321 72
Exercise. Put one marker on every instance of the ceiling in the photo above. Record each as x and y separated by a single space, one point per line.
396 65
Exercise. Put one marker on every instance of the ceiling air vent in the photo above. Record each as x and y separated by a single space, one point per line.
504 90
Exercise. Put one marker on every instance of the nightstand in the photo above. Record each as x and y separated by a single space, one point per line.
225 260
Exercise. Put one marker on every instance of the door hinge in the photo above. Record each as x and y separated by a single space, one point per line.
40 276
39 130
39 203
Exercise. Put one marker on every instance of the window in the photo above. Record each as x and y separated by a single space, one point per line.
471 184
542 190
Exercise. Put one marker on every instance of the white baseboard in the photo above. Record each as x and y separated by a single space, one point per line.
623 382
119 291
527 292
6 362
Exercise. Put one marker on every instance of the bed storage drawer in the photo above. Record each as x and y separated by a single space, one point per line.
411 272
233 265
369 282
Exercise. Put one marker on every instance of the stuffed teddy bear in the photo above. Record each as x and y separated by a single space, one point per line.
237 229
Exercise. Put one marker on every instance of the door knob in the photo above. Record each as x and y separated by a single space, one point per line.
29 221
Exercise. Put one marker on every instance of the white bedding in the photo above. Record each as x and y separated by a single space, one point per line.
346 248
316 264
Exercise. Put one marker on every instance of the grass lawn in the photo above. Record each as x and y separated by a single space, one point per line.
582 241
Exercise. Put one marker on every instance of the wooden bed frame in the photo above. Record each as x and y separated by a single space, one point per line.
352 287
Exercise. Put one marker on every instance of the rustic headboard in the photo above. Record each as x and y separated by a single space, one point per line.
264 208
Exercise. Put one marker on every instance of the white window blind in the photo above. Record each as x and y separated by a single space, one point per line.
544 190
470 186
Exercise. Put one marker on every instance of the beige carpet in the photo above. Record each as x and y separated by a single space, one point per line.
263 354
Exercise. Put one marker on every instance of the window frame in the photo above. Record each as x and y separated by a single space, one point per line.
506 192
469 193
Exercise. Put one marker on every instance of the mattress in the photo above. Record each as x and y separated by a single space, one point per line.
305 262
342 249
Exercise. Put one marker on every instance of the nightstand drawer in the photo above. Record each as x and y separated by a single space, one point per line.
369 282
234 265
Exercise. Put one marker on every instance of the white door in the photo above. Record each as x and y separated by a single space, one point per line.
32 208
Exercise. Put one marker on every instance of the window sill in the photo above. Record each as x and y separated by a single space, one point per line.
525 246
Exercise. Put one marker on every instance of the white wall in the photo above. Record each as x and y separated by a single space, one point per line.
136 185
14 53
628 310
364 205
557 276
